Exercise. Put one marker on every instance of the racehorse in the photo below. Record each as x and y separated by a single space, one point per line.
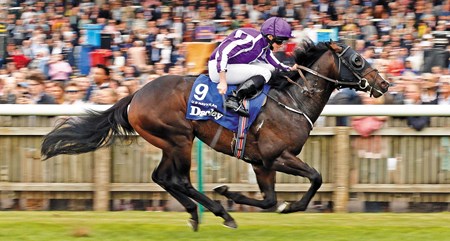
157 113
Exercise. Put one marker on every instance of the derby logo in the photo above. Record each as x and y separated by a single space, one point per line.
196 111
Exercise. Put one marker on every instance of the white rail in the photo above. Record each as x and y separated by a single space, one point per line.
329 110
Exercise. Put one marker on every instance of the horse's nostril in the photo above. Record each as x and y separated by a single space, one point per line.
385 85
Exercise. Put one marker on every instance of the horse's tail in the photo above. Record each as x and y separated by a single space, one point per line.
98 129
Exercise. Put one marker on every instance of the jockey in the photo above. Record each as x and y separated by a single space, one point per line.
245 56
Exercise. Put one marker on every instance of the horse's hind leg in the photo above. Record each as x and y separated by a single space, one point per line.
174 177
290 164
161 175
266 183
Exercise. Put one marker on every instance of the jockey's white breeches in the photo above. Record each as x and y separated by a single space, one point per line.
238 73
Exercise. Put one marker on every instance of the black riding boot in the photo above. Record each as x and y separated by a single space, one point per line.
248 88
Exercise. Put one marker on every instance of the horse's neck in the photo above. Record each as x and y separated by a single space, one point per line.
318 89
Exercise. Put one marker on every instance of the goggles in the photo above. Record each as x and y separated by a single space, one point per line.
280 40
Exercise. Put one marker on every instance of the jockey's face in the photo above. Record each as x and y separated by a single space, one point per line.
277 42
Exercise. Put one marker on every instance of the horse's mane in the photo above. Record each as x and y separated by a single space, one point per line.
306 54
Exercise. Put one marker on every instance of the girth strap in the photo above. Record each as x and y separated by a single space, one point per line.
241 136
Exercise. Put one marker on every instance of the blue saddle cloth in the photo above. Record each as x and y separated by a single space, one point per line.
205 103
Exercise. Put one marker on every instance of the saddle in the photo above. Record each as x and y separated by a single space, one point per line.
205 103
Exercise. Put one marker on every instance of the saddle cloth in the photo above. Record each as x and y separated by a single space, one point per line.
205 103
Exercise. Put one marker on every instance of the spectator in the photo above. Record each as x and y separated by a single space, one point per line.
444 90
416 58
299 33
395 66
118 61
408 69
58 68
105 96
18 31
83 84
40 62
57 92
73 94
101 79
344 97
429 87
116 11
122 92
189 33
373 122
105 11
160 69
166 54
19 59
110 28
22 95
367 29
130 71
26 49
368 145
138 54
6 94
132 84
413 93
37 95
18 77
139 23
101 76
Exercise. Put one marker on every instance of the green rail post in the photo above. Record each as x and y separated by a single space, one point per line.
200 175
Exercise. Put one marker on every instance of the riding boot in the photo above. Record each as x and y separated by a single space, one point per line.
248 88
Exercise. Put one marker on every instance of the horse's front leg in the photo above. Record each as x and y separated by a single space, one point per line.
266 183
290 164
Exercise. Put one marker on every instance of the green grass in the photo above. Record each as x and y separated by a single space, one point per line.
135 226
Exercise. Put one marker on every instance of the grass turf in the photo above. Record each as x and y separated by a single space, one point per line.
135 226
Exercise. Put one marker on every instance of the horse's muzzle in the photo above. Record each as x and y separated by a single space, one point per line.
380 87
384 86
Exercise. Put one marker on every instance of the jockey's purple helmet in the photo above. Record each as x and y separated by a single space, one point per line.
276 27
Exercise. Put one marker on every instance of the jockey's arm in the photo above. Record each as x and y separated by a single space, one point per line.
222 86
270 57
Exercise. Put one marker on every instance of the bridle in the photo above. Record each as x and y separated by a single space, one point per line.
357 71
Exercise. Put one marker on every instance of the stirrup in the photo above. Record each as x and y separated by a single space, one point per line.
237 107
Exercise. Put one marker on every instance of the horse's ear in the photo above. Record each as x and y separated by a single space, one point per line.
334 46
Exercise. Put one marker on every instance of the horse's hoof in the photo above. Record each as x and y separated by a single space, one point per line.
283 208
230 224
222 189
193 224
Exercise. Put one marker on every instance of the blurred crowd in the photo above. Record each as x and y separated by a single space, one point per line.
43 42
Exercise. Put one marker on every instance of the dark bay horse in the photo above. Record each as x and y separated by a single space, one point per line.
157 113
